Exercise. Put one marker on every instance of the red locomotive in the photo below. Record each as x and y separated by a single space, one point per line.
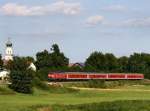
88 76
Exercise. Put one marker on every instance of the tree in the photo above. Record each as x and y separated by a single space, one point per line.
136 63
21 77
43 59
146 61
100 62
51 61
96 61
111 62
54 59
21 81
30 59
123 64
1 61
58 58
9 65
55 49
75 69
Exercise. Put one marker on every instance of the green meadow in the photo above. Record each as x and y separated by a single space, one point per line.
54 100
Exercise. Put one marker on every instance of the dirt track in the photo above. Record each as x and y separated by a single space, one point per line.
99 89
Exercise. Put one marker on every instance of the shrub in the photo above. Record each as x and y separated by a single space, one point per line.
97 84
42 73
4 90
40 84
21 81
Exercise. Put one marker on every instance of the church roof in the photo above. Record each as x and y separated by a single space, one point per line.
8 43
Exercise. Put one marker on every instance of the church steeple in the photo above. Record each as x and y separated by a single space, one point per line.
9 50
8 43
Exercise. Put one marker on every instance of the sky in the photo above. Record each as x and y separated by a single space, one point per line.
79 27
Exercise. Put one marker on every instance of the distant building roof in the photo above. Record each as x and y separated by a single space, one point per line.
4 73
32 67
77 64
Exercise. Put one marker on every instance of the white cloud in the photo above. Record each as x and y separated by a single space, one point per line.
138 22
59 7
94 20
134 22
115 8
66 8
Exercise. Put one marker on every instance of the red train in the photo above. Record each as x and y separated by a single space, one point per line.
88 76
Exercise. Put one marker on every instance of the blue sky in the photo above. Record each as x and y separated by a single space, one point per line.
79 27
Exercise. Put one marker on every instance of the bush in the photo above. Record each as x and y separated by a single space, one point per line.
97 84
4 90
42 73
40 84
107 83
21 81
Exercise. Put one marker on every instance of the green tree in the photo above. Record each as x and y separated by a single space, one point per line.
21 77
96 62
139 63
75 69
1 62
43 59
21 81
58 58
123 64
55 49
30 59
136 63
51 61
9 65
111 63
146 59
100 62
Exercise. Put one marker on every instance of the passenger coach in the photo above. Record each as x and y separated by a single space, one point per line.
88 76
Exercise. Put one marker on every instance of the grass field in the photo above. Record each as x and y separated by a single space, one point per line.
10 101
127 105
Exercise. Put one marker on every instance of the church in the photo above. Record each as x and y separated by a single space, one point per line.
9 56
8 51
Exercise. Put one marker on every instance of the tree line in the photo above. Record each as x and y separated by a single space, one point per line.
135 63
96 62
54 60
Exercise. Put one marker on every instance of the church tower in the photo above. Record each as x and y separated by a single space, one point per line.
9 51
